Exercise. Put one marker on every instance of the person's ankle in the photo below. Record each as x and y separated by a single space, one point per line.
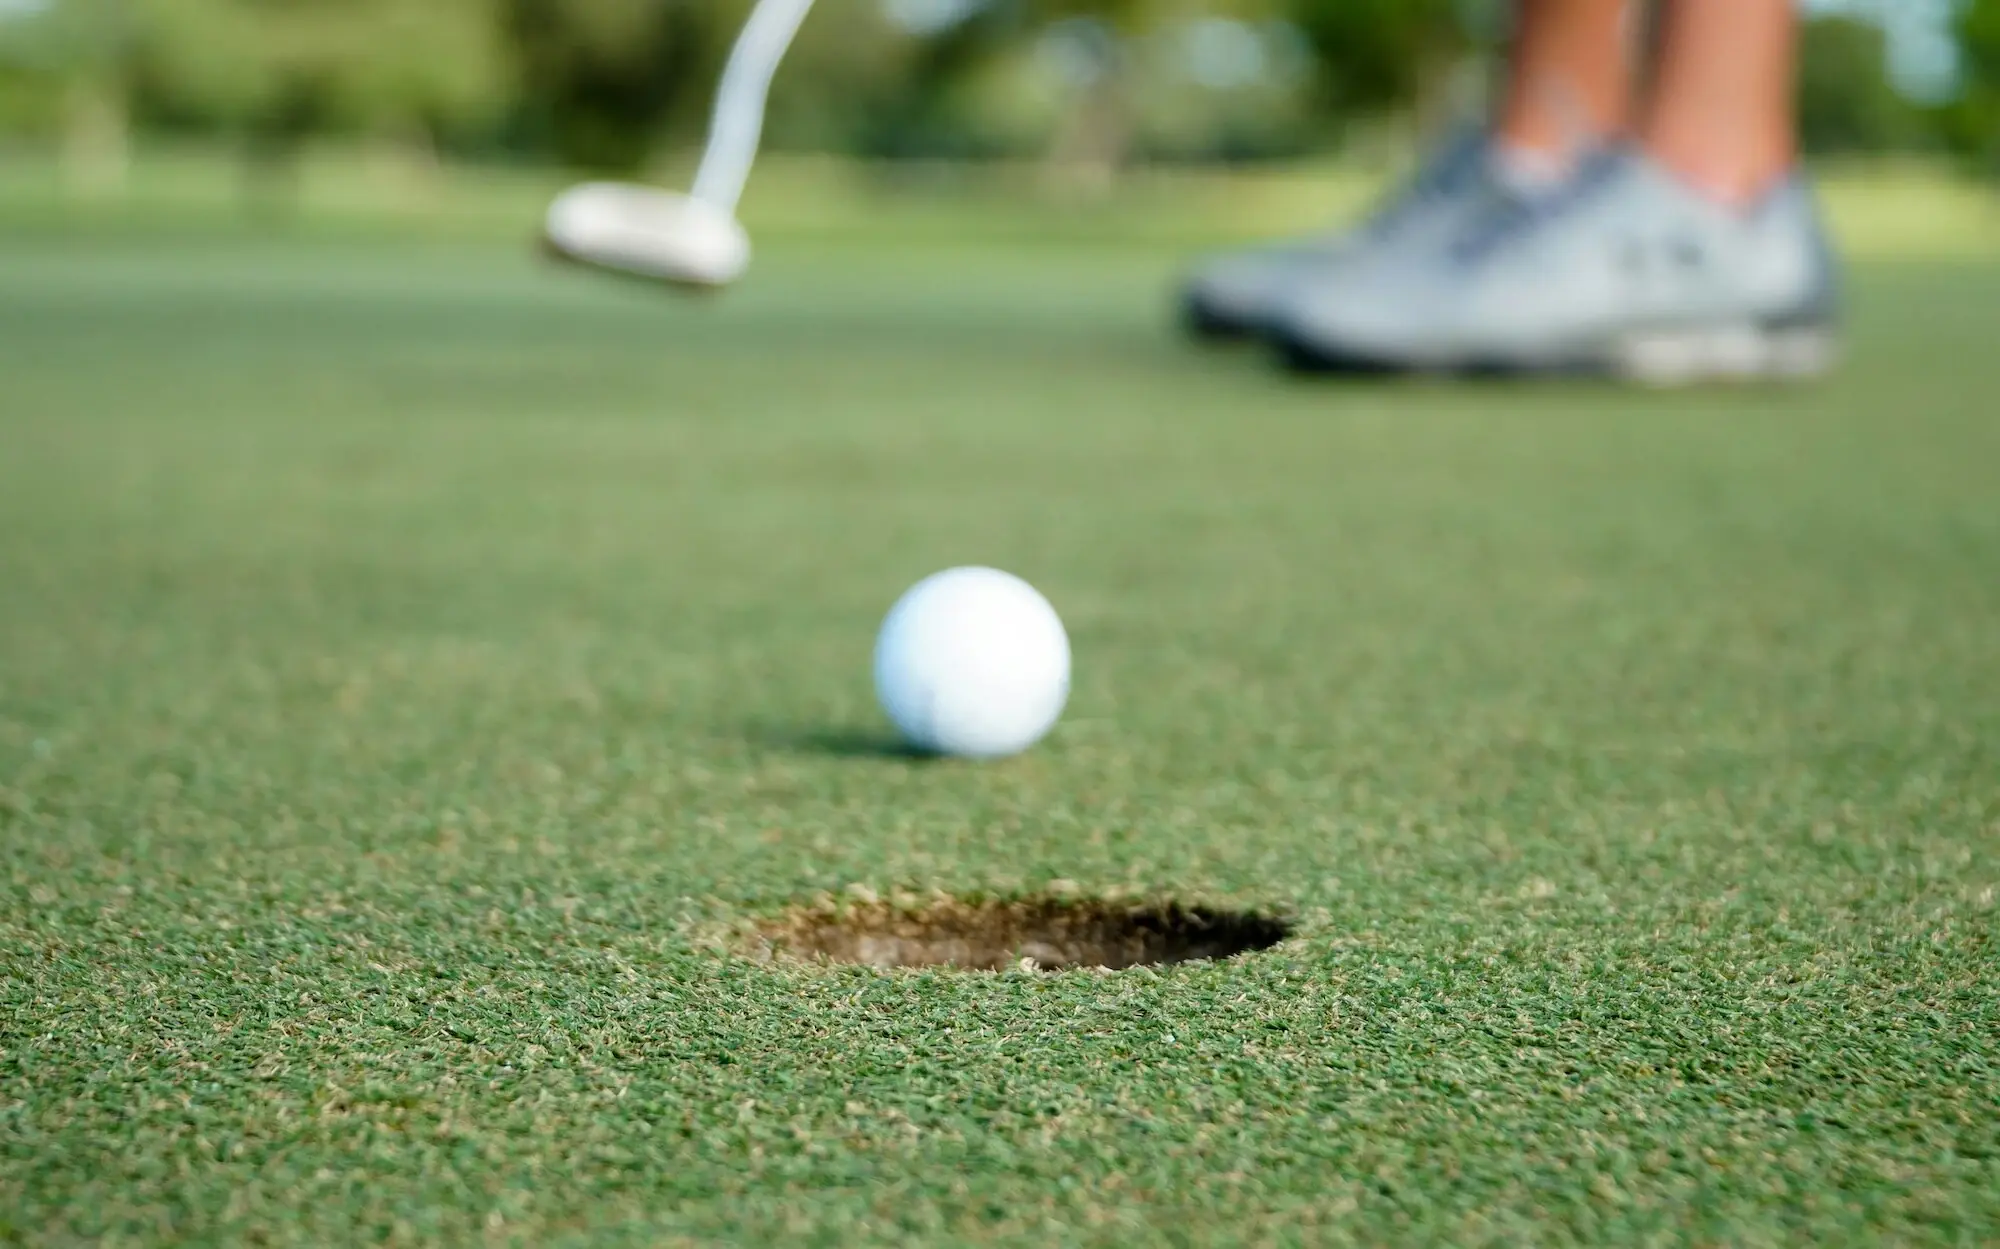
1531 167
1733 177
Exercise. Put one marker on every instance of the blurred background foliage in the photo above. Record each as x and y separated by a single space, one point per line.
1091 87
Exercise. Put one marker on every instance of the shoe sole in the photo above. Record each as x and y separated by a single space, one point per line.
1205 325
1664 359
1741 354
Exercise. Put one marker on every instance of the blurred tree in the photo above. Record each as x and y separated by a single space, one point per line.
1227 87
80 52
1102 50
922 111
600 79
604 82
848 64
277 71
1378 56
1094 51
1972 122
1847 104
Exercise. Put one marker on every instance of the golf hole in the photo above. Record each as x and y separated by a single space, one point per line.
1048 934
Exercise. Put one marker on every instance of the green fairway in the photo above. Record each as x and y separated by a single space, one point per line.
416 666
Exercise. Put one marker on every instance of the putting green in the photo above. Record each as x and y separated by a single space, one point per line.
416 669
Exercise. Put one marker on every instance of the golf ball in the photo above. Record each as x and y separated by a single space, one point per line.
973 662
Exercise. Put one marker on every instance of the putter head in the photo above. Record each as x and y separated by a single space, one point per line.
649 233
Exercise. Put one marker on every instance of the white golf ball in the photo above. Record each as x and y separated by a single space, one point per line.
973 662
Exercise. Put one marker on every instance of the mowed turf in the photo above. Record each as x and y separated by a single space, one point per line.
415 665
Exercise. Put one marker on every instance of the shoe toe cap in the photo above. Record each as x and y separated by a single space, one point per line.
1242 293
1353 323
1230 295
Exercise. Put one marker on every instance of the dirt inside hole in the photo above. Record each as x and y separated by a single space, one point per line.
1053 934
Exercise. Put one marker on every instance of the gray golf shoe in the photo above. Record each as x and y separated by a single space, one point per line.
1237 294
1625 271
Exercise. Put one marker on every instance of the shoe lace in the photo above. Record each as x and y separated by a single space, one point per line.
1516 215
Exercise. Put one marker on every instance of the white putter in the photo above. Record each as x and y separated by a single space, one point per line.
691 240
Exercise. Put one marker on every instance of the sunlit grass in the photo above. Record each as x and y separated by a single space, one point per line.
1904 209
418 669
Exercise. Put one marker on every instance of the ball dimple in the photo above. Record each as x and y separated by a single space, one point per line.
973 662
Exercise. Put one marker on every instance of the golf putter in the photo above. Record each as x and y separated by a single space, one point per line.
693 241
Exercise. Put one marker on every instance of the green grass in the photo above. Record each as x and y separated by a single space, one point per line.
410 661
1902 210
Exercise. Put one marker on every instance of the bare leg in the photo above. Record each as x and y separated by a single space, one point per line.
1569 79
1721 114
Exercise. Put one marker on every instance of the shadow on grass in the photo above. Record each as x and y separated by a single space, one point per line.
838 743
